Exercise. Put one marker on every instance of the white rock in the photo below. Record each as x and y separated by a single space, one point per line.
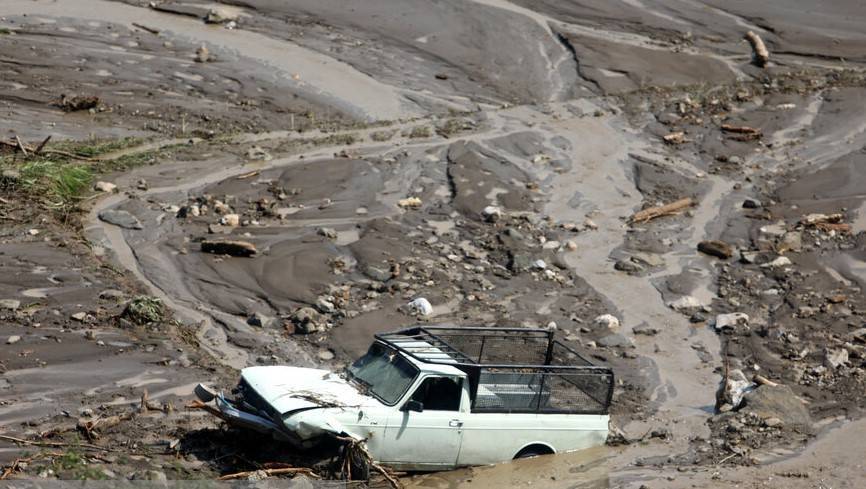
685 302
13 339
491 213
835 358
736 387
539 265
421 306
232 220
105 187
590 224
570 245
607 320
729 321
782 261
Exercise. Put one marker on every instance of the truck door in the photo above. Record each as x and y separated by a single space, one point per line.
427 430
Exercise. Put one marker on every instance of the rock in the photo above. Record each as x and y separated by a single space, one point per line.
782 261
648 259
79 316
775 230
835 358
751 204
645 329
716 248
260 320
420 306
773 422
325 355
106 187
231 220
141 185
219 229
327 232
10 304
120 218
628 266
539 265
520 262
491 213
791 241
590 224
202 54
112 294
221 15
258 153
731 321
615 340
410 203
777 402
13 339
570 245
684 303
609 321
735 388
10 175
232 248
325 306
307 320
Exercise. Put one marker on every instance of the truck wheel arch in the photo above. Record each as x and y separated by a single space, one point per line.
534 449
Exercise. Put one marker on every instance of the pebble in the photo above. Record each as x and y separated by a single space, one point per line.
10 304
106 187
13 339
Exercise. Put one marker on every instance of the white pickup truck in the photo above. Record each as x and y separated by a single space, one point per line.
434 398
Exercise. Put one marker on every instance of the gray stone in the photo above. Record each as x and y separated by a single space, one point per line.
777 402
377 273
111 294
731 321
260 320
327 232
10 304
627 266
326 355
645 329
615 340
120 218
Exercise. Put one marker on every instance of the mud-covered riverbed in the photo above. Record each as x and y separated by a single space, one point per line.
487 156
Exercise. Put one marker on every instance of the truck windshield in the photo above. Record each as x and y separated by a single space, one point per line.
384 372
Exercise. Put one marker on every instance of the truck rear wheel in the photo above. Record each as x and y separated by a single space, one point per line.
533 451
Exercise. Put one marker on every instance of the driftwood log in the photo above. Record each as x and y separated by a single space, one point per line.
762 56
662 210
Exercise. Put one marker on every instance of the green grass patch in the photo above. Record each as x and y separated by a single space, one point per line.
72 464
60 182
145 309
5 31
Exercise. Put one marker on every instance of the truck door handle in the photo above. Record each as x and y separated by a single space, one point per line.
455 423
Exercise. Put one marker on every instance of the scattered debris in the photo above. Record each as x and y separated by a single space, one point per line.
78 102
144 310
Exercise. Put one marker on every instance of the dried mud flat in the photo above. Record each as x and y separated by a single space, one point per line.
485 155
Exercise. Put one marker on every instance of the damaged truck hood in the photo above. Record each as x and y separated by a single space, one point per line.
289 389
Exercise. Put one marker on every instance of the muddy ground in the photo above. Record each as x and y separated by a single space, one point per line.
485 155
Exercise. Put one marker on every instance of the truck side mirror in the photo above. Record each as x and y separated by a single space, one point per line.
413 405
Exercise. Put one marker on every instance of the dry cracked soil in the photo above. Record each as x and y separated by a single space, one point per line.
509 161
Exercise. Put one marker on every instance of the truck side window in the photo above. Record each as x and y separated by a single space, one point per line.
439 393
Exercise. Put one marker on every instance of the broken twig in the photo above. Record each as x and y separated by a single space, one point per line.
269 473
663 210
22 441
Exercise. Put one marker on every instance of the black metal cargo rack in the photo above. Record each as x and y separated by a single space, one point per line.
512 370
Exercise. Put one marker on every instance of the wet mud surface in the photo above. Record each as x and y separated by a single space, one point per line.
487 156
